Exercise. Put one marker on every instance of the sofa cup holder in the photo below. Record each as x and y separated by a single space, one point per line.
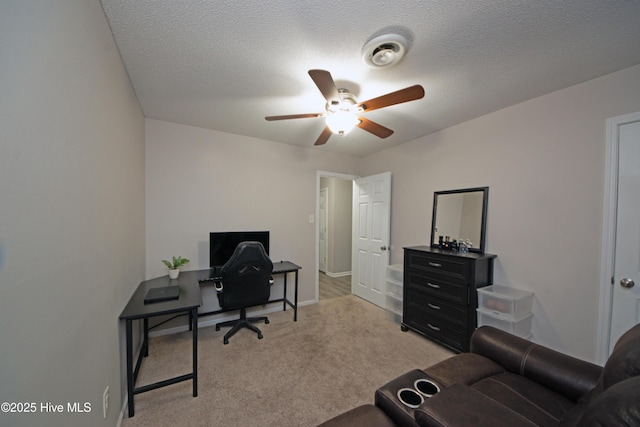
426 387
414 397
411 398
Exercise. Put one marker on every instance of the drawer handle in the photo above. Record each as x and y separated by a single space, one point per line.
435 328
433 285
435 307
435 264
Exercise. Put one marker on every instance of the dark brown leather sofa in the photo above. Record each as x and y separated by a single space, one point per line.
508 381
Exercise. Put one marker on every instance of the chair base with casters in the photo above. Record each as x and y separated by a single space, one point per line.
242 322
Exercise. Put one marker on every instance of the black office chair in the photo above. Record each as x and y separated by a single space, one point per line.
245 281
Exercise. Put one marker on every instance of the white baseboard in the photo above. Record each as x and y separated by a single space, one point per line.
122 410
340 274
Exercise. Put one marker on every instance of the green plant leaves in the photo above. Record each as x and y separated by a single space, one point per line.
177 262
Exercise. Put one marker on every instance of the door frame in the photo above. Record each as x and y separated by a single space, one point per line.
323 219
324 174
608 232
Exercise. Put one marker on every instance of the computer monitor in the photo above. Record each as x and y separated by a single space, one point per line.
222 244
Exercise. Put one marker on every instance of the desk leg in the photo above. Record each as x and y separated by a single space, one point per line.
194 328
295 301
284 296
145 342
130 382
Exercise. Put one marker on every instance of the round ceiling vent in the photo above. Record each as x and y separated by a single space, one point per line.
384 51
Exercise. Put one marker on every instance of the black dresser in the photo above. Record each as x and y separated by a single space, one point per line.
440 298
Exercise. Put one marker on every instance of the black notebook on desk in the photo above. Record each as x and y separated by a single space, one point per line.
162 294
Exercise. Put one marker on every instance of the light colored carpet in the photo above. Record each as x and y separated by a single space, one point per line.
302 373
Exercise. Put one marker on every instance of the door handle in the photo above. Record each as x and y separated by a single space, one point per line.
383 248
627 283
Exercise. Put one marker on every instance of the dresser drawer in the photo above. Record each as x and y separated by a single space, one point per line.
456 268
433 284
429 304
436 327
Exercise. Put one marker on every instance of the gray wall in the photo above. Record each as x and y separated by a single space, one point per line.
544 162
200 180
71 209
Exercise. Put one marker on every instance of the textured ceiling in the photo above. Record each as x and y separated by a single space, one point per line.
225 65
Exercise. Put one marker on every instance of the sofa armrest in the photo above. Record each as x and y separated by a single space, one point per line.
461 405
364 415
562 373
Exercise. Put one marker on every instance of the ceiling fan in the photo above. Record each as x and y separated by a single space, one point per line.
342 109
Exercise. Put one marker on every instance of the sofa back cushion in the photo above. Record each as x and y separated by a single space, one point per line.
561 373
614 400
624 361
618 406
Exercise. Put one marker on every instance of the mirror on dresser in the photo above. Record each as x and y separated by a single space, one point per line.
460 215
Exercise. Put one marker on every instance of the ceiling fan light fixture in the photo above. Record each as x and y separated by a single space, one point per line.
384 51
342 122
343 110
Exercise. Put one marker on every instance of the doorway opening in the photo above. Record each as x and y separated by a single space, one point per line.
334 196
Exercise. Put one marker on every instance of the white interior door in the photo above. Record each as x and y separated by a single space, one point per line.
371 227
322 231
625 310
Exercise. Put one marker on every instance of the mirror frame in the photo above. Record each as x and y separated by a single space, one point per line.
483 221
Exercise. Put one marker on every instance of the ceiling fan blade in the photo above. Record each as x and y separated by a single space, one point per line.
324 136
325 83
398 97
374 128
294 116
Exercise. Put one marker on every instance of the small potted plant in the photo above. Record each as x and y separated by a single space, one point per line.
174 267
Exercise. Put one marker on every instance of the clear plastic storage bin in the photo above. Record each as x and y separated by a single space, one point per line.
520 327
501 300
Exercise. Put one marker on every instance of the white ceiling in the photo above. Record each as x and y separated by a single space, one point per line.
225 65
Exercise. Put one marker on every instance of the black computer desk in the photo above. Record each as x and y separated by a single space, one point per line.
209 276
187 303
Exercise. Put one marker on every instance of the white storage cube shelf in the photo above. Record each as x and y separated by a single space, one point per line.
394 304
394 292
395 272
503 301
394 288
520 327
392 315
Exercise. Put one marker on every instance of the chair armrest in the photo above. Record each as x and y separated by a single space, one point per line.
562 373
461 405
